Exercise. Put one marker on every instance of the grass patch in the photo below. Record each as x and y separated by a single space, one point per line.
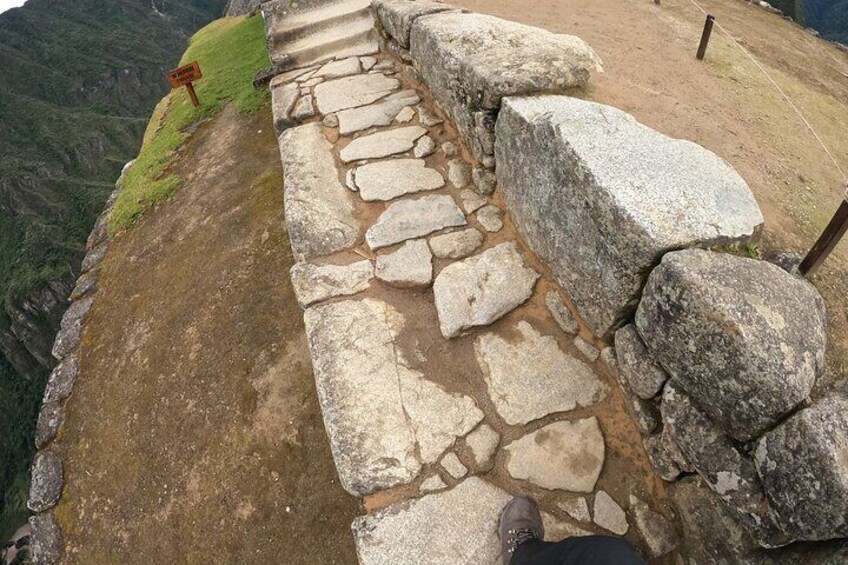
230 52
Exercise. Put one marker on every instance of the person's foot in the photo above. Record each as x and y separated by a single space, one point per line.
520 522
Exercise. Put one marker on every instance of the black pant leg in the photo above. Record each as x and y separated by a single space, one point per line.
589 550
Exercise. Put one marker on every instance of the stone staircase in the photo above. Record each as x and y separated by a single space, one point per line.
305 33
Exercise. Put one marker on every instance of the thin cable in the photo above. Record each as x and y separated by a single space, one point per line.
780 90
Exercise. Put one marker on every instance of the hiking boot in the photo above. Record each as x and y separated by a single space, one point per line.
520 522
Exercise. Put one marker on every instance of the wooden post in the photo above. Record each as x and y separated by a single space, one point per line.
185 76
192 94
828 240
705 37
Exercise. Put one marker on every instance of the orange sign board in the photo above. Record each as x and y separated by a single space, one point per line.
185 75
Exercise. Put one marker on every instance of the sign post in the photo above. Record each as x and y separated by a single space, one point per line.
185 76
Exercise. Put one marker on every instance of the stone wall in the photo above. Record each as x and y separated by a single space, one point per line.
716 353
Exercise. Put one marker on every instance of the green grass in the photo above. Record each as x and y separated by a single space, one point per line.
230 52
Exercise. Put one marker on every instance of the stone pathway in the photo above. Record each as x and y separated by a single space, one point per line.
445 359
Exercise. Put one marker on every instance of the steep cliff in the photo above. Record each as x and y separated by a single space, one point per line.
79 80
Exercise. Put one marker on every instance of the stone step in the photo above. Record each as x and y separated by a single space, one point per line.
298 26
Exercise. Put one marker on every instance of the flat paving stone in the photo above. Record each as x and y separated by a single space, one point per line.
380 114
338 69
530 377
386 180
563 455
471 201
315 283
577 508
410 219
405 116
304 109
353 91
609 515
424 147
456 245
459 173
382 144
483 442
319 210
454 466
432 484
409 266
491 218
481 289
383 419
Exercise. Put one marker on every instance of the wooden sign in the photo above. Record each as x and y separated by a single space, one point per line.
185 76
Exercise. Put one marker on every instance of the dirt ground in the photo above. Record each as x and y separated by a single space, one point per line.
727 105
194 433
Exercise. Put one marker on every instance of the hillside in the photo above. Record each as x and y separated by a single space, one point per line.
80 78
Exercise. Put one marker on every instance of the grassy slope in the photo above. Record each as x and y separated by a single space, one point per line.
230 52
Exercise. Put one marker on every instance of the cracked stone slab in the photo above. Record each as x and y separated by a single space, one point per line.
382 144
560 456
577 508
339 69
319 211
456 245
410 219
47 481
379 114
352 92
609 515
386 180
529 376
409 266
383 419
315 283
483 288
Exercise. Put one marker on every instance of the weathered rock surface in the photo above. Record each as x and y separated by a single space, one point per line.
645 413
282 101
46 544
378 114
409 266
590 351
455 526
483 442
383 419
405 116
637 365
657 531
803 464
560 312
491 218
726 470
47 481
386 180
424 147
528 376
427 117
481 289
459 173
471 61
471 201
49 419
353 91
315 283
577 508
609 515
397 16
382 144
743 338
432 484
304 109
338 69
70 329
456 245
86 284
410 219
454 466
563 455
61 381
661 460
318 209
619 196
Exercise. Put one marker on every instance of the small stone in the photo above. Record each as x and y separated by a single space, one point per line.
382 144
481 289
577 508
350 182
315 283
563 455
46 539
62 378
456 245
386 180
450 149
432 484
409 266
658 532
353 91
484 180
405 115
529 377
471 201
380 114
338 69
609 515
608 357
304 109
587 349
483 442
491 218
454 466
49 419
367 63
424 147
410 219
427 118
563 316
331 121
637 365
47 481
459 173
660 459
